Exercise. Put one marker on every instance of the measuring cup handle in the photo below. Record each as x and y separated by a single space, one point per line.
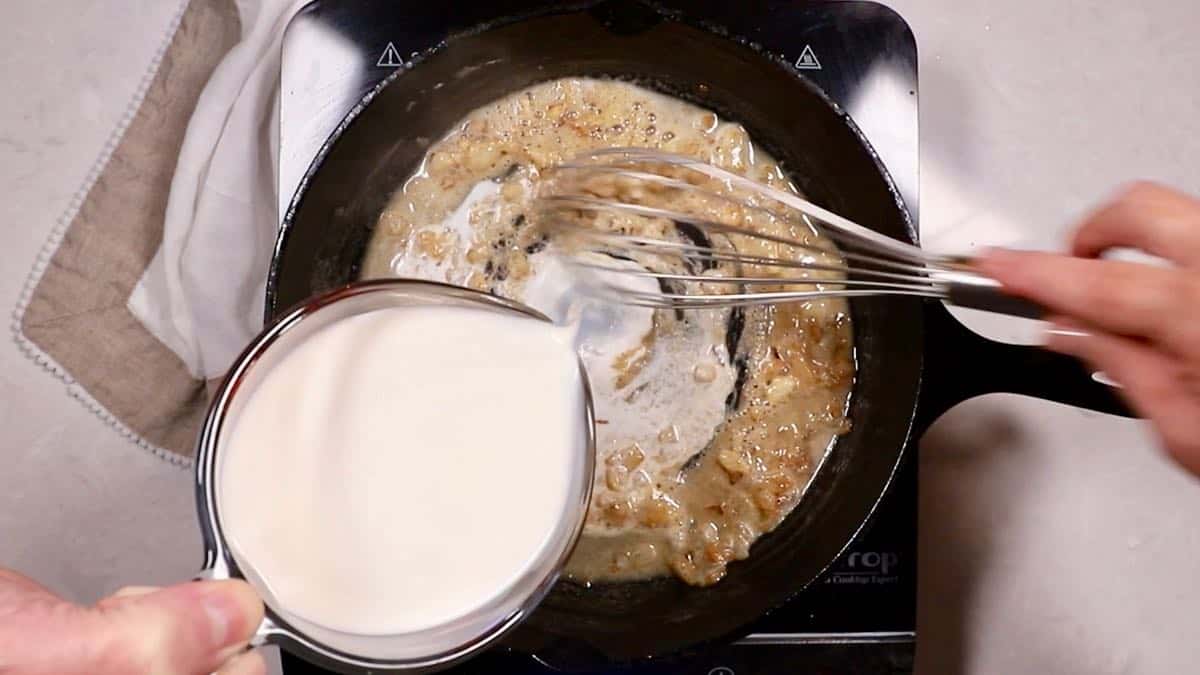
266 630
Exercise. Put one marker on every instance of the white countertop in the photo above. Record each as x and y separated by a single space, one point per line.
1052 540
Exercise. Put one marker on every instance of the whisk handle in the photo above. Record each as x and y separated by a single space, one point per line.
967 289
995 300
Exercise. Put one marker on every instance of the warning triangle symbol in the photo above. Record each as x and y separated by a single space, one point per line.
390 57
808 59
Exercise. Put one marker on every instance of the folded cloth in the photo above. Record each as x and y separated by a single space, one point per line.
202 294
154 280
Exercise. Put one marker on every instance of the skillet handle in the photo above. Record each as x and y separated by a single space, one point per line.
960 365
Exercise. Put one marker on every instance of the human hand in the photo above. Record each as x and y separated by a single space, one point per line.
190 629
1138 323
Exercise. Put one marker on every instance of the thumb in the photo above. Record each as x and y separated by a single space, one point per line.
190 629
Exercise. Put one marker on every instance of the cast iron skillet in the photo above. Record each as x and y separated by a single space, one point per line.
914 360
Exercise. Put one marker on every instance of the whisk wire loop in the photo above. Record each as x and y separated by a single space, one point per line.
863 263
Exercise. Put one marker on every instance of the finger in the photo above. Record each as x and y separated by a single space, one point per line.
186 629
135 591
248 663
1146 216
1118 297
36 628
14 583
1150 381
129 592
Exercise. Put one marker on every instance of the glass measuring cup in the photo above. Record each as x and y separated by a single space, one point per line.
422 650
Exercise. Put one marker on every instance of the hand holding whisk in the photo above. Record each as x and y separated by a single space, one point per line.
710 238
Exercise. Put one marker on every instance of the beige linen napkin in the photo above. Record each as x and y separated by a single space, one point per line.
73 318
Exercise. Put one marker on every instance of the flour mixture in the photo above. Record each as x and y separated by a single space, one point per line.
710 423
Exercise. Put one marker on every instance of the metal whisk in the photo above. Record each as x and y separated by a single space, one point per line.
704 262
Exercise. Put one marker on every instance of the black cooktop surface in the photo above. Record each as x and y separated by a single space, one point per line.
860 616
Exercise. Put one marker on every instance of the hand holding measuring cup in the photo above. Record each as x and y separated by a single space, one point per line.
190 629
1138 323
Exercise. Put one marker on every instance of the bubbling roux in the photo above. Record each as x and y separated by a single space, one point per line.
710 423
395 472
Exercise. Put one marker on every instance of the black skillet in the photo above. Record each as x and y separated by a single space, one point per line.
915 361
